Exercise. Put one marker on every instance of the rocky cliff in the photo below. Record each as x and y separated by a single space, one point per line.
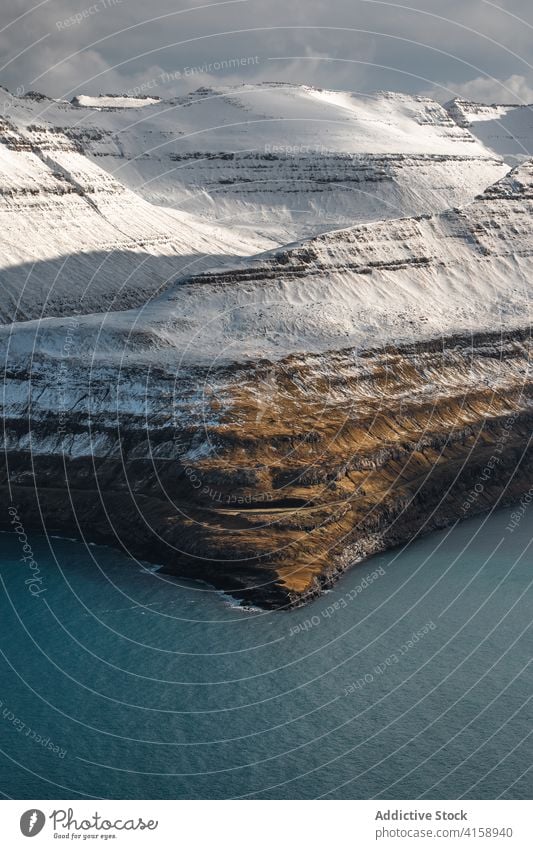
266 426
275 477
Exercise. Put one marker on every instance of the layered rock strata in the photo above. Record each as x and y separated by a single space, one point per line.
268 480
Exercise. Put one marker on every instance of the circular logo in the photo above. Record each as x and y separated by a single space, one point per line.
32 822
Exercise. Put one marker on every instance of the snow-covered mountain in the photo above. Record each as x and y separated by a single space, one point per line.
82 184
464 270
73 238
507 129
287 161
268 420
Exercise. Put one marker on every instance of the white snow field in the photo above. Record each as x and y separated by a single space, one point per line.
159 287
74 238
284 161
113 101
461 271
506 129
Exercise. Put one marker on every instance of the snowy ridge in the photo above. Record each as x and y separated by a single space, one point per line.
386 282
288 161
507 129
73 238
465 270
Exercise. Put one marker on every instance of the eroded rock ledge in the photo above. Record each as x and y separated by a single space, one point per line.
269 480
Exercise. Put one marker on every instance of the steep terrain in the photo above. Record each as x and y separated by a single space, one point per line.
394 282
72 238
265 426
507 129
284 161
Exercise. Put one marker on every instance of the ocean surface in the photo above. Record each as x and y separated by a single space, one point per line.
410 679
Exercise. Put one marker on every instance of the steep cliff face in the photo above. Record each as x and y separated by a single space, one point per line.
265 426
507 129
285 161
269 480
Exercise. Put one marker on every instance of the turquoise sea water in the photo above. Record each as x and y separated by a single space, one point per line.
119 682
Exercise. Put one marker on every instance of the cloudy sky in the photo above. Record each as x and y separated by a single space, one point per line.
473 48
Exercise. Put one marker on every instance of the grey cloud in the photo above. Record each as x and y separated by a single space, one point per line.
116 45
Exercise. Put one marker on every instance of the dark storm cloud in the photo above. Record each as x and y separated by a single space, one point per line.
474 48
